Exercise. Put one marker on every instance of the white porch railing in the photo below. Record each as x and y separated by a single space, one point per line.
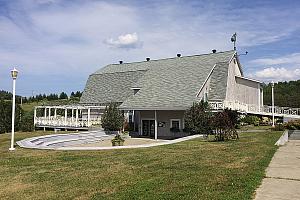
61 122
69 116
251 108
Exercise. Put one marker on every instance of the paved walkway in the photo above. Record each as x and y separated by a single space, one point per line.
74 141
283 175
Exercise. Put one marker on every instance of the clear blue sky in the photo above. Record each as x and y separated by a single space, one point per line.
56 44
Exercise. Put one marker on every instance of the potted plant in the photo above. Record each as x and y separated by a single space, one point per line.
117 141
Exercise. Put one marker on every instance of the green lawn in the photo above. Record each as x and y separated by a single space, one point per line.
29 106
189 170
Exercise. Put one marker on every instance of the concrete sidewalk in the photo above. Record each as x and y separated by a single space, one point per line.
283 174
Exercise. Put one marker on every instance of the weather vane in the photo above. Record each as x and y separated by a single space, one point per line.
233 39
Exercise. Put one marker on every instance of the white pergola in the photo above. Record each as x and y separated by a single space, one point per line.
79 117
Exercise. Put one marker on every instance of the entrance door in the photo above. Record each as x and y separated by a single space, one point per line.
148 128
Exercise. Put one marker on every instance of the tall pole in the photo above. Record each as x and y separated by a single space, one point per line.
14 74
273 108
155 125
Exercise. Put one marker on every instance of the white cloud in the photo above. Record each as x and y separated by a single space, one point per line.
278 74
127 41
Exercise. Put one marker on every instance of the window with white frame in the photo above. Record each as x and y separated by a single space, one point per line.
175 123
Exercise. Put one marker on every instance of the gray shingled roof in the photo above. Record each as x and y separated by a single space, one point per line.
171 83
218 81
109 87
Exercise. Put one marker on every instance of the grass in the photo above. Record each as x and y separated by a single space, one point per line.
29 106
193 169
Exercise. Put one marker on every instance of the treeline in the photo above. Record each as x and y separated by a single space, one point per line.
285 94
4 95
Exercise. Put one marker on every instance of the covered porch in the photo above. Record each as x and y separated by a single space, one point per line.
68 116
159 124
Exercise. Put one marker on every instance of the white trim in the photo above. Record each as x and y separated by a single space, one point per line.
178 120
211 71
248 79
235 55
135 88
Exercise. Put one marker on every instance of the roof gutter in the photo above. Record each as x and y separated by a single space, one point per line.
248 79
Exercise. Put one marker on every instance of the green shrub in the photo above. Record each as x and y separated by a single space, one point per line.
186 130
197 118
113 118
117 141
293 125
6 114
238 126
251 120
27 122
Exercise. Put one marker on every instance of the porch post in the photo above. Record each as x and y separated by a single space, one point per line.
155 125
34 116
76 116
55 112
262 98
45 112
66 116
45 116
89 117
133 120
72 115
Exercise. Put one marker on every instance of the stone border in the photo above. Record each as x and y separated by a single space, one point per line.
283 139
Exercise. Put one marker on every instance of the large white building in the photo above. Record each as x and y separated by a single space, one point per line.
154 94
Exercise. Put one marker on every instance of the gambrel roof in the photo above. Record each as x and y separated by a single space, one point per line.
171 83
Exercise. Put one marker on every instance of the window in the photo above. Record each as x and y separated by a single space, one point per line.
175 123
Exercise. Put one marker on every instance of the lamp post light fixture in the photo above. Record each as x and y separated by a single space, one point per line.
14 74
273 108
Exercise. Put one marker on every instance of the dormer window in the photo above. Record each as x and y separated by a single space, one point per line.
135 90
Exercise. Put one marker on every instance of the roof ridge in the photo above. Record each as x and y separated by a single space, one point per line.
140 70
195 55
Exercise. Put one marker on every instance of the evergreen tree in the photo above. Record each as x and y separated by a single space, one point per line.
113 118
197 118
63 95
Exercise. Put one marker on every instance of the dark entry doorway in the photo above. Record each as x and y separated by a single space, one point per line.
148 128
